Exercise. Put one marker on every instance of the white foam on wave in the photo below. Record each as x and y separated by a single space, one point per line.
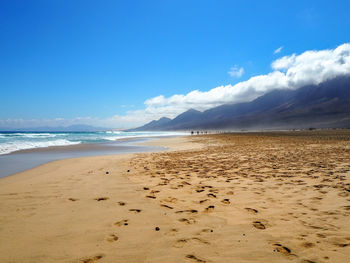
6 148
19 135
35 135
113 132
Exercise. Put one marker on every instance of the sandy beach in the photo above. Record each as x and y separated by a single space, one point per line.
245 197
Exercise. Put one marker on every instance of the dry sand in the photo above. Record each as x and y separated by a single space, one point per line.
257 197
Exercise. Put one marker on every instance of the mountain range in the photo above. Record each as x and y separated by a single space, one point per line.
326 105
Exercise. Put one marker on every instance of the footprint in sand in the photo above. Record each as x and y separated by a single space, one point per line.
341 244
259 225
282 249
135 210
320 235
112 238
93 259
225 201
193 258
188 221
206 230
151 196
251 210
307 261
166 206
123 222
172 232
343 194
211 195
170 200
346 207
203 201
181 242
209 208
190 211
121 203
73 199
307 244
101 199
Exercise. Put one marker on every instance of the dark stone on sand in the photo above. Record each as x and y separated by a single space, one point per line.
157 228
107 172
128 171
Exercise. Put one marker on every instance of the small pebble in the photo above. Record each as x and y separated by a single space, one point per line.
157 228
107 172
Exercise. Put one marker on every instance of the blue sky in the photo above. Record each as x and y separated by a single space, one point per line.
98 62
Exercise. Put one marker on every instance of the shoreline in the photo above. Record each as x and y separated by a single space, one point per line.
22 160
216 198
12 142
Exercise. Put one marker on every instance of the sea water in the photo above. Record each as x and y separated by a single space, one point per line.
15 141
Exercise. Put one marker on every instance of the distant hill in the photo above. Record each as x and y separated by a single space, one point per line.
72 128
153 125
326 105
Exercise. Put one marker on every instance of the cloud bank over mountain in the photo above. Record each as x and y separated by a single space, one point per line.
288 72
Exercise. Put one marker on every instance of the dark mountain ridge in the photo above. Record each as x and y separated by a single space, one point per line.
326 105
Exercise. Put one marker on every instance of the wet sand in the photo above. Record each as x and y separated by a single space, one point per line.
27 159
254 197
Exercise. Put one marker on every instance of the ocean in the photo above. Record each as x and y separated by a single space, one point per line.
20 151
15 141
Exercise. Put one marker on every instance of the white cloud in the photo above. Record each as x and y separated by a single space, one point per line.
157 101
278 50
236 72
288 72
283 63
